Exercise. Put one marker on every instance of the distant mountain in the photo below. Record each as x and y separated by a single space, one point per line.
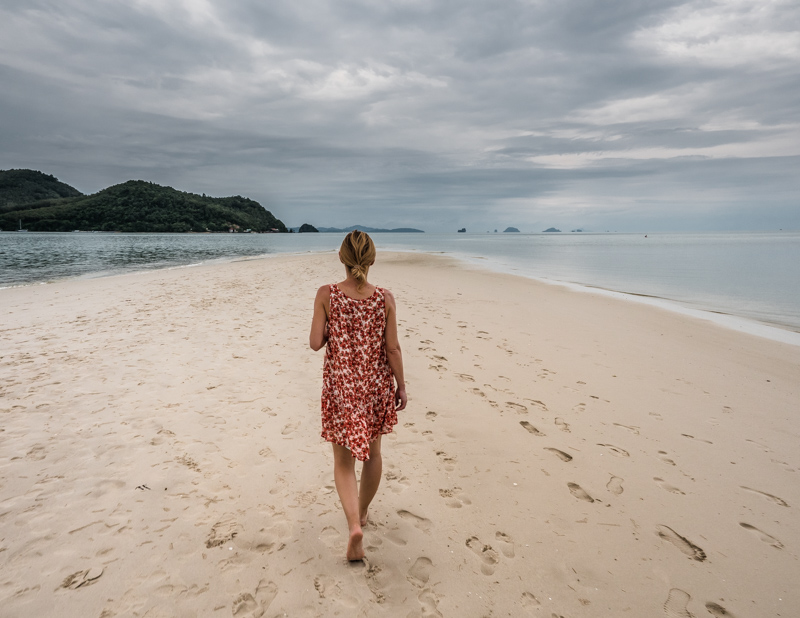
21 187
307 227
510 229
371 230
139 206
551 229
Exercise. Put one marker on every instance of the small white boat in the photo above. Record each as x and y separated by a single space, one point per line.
20 227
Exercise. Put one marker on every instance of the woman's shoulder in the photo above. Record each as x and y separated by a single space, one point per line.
387 295
324 292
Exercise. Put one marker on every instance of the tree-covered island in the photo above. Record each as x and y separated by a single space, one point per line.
133 206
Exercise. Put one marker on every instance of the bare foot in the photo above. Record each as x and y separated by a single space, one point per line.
364 519
355 550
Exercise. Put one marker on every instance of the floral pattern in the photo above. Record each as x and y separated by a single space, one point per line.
357 383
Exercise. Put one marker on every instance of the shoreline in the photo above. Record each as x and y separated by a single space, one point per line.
774 331
561 453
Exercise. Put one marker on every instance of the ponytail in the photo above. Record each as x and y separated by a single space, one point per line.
358 254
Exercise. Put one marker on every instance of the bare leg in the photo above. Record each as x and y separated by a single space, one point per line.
370 479
344 475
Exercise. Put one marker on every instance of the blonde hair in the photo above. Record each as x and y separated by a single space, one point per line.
357 254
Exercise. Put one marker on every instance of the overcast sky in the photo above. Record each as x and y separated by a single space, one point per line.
628 115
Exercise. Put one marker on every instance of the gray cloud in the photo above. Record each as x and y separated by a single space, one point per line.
633 115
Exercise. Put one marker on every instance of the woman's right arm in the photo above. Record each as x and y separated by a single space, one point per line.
319 323
393 353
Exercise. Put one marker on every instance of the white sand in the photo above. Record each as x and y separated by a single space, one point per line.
160 453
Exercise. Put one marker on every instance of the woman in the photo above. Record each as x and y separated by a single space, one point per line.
358 322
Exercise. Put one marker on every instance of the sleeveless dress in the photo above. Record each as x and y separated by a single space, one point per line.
357 382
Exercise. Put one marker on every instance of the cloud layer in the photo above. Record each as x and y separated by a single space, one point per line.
628 116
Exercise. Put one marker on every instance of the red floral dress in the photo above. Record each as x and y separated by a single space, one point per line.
357 382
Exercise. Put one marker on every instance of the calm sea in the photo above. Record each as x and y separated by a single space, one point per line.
750 275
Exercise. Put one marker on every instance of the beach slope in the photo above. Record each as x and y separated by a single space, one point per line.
562 453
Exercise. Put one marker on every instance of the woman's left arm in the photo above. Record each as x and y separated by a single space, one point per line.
319 323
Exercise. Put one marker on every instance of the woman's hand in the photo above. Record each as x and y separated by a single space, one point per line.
400 398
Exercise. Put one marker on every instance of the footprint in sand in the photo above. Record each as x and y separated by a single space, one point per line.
531 429
505 543
579 407
614 485
763 447
767 538
578 491
438 368
517 407
770 497
487 555
691 437
631 428
667 487
37 453
429 601
537 403
562 424
560 454
662 455
430 415
478 392
397 482
464 377
448 461
529 600
327 587
247 605
223 531
395 535
715 609
377 581
421 523
615 450
682 543
455 498
81 579
420 571
676 604
289 428
188 462
265 452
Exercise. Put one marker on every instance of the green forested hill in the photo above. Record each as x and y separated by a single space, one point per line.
20 187
139 206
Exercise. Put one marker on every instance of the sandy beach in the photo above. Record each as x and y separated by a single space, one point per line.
563 454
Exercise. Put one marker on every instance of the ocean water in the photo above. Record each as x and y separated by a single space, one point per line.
755 276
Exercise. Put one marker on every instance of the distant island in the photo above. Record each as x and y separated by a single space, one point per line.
551 229
307 227
133 206
370 230
463 230
510 229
